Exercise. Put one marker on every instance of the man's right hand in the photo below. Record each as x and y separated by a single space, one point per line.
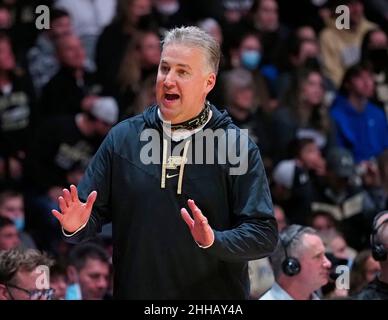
74 213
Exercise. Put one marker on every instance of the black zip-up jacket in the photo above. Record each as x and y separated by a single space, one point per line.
155 256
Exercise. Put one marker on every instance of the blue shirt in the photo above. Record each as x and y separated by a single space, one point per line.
364 133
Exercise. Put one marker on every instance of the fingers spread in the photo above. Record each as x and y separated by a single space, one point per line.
186 217
67 197
62 204
74 193
57 215
197 214
90 201
191 204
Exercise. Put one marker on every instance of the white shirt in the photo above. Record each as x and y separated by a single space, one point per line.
278 293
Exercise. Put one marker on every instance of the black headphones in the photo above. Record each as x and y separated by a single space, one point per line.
379 252
291 266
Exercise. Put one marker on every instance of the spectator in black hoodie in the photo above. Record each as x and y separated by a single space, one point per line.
64 93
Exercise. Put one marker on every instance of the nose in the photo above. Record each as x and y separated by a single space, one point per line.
102 283
169 80
326 262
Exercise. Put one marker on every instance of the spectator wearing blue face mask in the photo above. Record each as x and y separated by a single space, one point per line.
88 273
250 59
263 17
246 51
247 54
12 207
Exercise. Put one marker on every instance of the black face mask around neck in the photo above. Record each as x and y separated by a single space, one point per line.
195 122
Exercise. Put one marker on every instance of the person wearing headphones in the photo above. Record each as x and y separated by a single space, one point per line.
378 288
299 264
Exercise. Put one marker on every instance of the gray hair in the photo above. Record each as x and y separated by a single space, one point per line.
290 240
195 37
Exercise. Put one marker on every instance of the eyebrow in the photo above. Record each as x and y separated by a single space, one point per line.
179 64
317 254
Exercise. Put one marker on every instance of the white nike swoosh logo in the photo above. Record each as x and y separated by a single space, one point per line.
171 176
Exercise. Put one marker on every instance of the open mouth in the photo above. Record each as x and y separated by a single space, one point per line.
171 96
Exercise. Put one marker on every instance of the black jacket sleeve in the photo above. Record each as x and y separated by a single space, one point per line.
97 177
255 233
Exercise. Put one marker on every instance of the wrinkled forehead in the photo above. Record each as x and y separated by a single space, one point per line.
311 245
191 55
183 48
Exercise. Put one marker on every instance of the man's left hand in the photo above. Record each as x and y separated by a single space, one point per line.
199 227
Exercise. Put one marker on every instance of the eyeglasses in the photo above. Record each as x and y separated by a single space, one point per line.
44 294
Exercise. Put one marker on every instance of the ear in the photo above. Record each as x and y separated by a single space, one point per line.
210 82
72 274
4 295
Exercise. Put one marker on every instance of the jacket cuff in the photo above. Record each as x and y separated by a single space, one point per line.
205 247
68 235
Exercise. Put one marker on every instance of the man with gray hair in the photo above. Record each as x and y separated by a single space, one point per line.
148 195
300 265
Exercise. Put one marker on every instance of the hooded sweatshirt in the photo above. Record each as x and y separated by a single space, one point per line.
155 255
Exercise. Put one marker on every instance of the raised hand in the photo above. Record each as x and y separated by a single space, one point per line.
74 213
199 227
